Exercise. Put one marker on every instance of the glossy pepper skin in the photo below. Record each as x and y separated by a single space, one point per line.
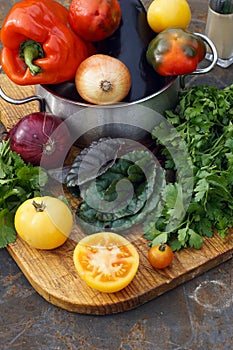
175 51
37 32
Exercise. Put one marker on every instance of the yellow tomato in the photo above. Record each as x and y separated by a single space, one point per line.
163 14
44 222
106 261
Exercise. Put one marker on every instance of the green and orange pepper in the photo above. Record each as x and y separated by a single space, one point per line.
175 51
39 47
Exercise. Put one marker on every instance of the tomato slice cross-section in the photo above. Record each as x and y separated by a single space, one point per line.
106 261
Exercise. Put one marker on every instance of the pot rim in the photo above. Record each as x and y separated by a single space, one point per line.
119 104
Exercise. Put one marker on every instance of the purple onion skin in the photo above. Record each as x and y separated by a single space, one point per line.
41 139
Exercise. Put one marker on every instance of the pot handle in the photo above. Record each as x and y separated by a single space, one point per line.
9 99
208 68
4 96
214 52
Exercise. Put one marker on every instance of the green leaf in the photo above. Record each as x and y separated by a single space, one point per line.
160 238
2 172
7 230
204 227
183 236
201 189
92 218
174 205
93 161
195 240
229 143
176 245
149 230
124 195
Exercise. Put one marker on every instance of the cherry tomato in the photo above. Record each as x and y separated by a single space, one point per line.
106 261
94 20
160 256
44 222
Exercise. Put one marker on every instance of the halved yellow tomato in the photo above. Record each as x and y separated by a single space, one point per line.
106 261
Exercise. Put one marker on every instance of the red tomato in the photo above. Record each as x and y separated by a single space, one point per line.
94 20
160 256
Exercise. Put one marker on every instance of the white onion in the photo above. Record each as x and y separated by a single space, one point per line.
102 79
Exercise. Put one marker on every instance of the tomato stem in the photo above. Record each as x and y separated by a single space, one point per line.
39 206
162 247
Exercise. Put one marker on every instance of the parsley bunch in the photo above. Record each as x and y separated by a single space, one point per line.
204 119
18 182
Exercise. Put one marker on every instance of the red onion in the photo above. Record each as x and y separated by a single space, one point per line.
35 139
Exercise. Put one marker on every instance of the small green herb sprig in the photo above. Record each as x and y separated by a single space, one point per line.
204 119
18 182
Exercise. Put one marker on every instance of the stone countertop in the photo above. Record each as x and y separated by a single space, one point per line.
197 315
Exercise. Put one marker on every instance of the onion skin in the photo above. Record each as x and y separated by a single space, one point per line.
102 79
35 139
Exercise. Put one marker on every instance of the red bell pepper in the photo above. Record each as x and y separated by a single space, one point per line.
39 47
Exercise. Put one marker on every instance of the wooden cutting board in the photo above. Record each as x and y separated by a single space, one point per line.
54 277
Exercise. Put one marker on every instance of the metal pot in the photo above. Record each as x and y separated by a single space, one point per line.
150 94
63 99
95 122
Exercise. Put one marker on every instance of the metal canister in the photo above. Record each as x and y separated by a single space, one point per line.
219 28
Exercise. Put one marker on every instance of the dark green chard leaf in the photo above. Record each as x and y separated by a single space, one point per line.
125 197
93 161
129 205
18 182
204 119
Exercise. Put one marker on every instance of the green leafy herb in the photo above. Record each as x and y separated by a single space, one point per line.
204 119
18 182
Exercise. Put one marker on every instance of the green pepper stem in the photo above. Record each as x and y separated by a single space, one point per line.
29 51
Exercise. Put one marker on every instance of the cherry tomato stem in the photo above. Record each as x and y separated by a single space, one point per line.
162 247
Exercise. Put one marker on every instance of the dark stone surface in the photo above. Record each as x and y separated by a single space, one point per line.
194 316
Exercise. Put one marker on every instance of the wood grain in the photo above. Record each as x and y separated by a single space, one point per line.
54 277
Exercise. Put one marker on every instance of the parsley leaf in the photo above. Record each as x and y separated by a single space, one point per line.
195 240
